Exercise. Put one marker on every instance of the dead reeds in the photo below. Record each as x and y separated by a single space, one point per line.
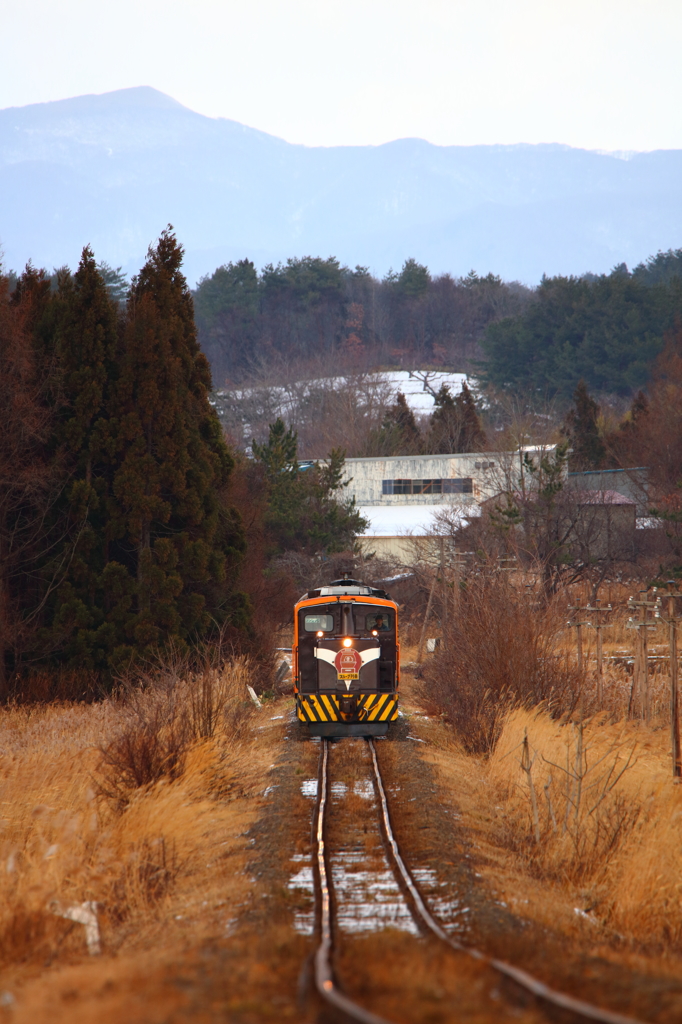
162 714
607 819
108 804
580 770
577 783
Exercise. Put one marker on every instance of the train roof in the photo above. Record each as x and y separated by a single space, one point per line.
352 588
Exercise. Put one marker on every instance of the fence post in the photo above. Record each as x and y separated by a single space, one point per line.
674 688
644 664
640 679
600 660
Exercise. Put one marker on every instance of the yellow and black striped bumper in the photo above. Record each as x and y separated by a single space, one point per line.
371 707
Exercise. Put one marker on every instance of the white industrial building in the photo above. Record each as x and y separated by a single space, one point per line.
401 496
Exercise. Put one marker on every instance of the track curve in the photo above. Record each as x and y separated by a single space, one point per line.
549 995
323 969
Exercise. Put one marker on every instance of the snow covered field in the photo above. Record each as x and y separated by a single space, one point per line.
411 520
418 386
412 385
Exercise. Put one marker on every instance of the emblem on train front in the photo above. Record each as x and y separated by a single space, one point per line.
348 663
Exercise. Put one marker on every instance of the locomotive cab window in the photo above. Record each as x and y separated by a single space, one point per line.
319 623
379 621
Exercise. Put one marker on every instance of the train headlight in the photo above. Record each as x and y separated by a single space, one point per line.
347 642
320 632
374 633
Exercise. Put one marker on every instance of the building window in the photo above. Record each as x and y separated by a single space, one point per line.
484 465
456 485
426 487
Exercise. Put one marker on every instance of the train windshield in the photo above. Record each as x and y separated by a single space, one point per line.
319 623
380 621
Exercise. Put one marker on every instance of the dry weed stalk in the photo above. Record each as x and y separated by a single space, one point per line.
526 765
594 816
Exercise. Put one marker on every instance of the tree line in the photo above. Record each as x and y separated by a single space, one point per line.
128 523
605 330
648 435
307 309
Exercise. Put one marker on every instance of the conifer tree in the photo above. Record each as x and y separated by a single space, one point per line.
455 424
85 344
173 542
306 511
28 475
279 459
582 431
399 433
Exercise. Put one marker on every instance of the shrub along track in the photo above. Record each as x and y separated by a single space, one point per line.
330 906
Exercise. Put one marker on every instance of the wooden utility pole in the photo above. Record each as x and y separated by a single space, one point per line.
596 613
444 592
599 613
577 623
672 618
640 681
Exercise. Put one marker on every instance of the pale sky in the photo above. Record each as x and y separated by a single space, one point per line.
600 74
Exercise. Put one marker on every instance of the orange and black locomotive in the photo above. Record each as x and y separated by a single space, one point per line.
346 662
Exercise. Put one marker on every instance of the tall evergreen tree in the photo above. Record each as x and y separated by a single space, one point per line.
175 541
455 424
86 348
29 478
582 430
279 459
399 433
169 544
306 511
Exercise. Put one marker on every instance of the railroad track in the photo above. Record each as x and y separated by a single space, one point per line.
329 907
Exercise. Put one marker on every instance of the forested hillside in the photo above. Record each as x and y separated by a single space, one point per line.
605 330
312 311
315 316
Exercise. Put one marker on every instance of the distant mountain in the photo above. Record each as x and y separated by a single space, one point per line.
114 169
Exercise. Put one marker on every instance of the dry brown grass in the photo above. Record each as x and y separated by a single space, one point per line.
609 817
150 849
162 716
574 799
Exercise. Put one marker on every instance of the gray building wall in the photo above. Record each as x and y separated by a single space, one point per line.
490 473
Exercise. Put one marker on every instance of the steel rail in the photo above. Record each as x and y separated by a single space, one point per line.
523 978
324 977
